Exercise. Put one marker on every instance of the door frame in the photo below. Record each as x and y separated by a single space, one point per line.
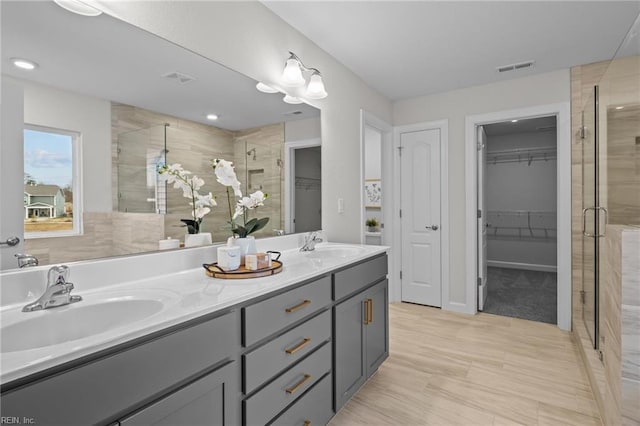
289 172
563 140
386 148
396 244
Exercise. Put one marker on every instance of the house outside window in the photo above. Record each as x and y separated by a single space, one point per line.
52 181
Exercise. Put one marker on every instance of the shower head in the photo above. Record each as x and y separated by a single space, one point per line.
252 150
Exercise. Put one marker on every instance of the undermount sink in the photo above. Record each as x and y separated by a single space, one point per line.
73 322
335 252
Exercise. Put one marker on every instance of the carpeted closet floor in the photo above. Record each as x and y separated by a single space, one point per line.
519 293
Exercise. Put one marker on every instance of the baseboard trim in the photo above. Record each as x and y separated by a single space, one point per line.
527 266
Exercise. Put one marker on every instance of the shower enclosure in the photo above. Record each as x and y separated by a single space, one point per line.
138 154
607 159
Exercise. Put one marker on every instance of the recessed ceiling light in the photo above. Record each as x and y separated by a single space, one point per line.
212 117
265 89
514 121
291 99
620 107
78 7
24 64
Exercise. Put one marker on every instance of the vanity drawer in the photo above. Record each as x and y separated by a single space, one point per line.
351 280
266 361
314 408
273 398
98 391
269 316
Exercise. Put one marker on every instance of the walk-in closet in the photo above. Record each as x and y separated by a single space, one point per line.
520 190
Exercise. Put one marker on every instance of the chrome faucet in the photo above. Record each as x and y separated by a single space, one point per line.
25 260
57 293
310 241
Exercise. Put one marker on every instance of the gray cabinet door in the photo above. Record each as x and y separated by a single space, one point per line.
210 400
376 331
349 368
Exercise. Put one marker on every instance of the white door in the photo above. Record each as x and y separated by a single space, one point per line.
482 220
420 203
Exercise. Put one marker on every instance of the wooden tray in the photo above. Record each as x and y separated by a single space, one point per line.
242 273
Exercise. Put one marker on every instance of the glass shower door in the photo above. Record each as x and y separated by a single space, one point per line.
589 292
139 153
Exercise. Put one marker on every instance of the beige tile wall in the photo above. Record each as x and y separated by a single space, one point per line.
269 144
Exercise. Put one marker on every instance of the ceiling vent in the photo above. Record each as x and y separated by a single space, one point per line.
514 67
179 77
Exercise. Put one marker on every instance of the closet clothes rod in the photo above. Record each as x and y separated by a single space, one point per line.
528 155
527 159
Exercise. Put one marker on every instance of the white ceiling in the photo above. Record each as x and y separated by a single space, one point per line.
405 49
109 59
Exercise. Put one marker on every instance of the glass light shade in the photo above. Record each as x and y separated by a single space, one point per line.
79 7
265 89
24 64
291 100
292 74
316 90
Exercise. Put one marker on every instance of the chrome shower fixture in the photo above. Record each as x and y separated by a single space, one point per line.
252 150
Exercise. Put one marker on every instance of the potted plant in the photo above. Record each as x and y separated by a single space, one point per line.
241 226
372 225
201 205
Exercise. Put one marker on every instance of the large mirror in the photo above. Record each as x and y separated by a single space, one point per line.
106 103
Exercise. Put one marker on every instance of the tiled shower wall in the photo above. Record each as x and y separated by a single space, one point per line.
631 326
194 145
262 169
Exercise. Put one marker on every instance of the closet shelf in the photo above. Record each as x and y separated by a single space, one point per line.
307 183
538 225
527 155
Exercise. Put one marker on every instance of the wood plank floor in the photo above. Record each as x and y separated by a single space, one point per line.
446 368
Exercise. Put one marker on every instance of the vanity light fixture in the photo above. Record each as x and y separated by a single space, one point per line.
78 7
24 64
212 117
265 88
292 76
292 100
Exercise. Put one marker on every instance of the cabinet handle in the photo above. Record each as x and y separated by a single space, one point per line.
370 311
299 346
298 306
366 311
298 385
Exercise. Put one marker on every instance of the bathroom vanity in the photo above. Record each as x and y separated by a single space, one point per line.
288 349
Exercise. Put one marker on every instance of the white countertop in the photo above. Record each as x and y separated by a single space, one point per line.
185 295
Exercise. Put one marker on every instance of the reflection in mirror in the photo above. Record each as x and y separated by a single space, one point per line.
134 101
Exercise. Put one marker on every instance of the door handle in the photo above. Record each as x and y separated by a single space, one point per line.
433 227
584 221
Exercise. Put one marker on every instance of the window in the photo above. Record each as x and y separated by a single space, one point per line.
51 182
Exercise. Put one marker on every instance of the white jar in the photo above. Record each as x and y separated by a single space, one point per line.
229 258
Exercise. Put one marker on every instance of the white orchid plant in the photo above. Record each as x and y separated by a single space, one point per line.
226 176
190 185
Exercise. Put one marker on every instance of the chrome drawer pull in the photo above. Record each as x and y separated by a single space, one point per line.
298 306
299 346
298 385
